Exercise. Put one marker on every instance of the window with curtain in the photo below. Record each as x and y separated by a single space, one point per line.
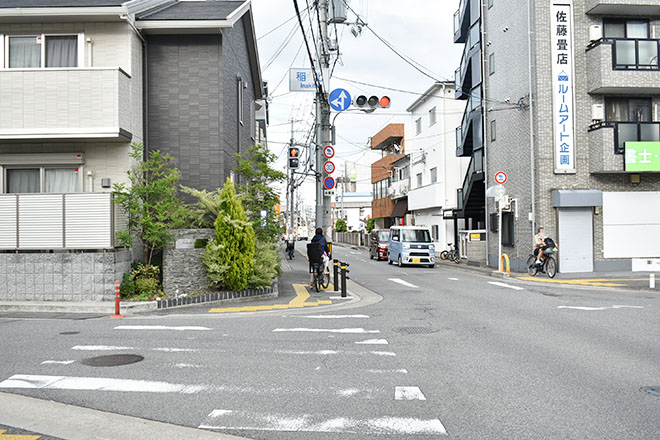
24 52
628 110
62 51
62 180
23 181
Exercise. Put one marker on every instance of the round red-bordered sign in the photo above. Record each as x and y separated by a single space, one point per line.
329 151
329 167
329 183
500 177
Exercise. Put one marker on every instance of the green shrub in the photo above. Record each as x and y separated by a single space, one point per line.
340 225
141 283
266 265
371 224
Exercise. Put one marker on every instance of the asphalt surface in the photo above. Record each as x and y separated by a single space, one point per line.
445 352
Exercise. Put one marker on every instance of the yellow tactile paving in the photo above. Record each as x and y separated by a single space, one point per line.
4 436
300 301
605 282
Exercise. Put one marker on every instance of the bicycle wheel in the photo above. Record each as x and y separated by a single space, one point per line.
456 257
317 282
325 280
551 266
531 265
444 255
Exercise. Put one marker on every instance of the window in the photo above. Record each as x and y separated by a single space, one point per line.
493 130
418 126
239 99
432 117
419 180
37 51
490 4
628 109
435 232
416 235
508 228
43 179
626 29
434 175
632 47
491 63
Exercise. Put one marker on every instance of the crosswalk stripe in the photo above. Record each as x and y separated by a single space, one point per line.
160 327
402 282
27 381
57 362
373 342
326 330
408 393
252 421
495 283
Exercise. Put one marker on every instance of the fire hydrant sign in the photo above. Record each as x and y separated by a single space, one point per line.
329 167
500 177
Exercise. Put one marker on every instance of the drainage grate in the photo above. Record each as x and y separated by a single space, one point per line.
415 330
112 360
654 391
69 333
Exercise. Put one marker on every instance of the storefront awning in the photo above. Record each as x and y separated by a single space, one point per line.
400 208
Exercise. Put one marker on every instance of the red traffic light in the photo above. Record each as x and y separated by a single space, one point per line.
294 152
372 102
384 101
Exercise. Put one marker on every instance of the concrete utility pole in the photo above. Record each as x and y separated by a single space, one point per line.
323 202
292 189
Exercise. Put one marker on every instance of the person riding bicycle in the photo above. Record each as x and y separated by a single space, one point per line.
542 243
325 251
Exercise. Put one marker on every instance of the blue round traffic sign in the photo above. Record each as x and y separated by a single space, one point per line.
339 100
500 177
329 152
329 183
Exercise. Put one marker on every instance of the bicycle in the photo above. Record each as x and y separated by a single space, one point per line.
548 266
290 249
452 254
321 278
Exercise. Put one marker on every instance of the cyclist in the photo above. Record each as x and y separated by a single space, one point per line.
541 243
323 243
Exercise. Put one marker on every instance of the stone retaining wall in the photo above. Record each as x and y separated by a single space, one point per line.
183 270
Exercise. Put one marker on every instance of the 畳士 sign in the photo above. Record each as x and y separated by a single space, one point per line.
563 92
642 156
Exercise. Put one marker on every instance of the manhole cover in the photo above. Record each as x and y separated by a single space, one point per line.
69 333
654 391
112 360
415 330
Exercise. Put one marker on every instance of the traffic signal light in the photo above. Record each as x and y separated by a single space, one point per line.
372 102
294 157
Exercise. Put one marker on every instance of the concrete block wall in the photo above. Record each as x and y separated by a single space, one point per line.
61 276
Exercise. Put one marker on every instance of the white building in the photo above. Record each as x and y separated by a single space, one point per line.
435 171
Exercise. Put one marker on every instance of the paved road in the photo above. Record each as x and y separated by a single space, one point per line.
445 352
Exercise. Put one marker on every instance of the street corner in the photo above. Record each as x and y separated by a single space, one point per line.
12 433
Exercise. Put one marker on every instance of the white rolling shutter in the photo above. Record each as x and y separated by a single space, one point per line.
575 241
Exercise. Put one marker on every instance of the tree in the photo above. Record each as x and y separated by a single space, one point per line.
340 225
257 193
150 202
371 224
229 258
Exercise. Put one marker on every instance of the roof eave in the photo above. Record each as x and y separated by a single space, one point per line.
64 11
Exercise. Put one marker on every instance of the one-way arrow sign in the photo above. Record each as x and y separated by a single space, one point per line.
339 100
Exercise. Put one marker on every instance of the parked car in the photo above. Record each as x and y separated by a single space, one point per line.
411 245
378 243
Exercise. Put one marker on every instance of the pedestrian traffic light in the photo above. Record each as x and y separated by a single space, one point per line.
372 102
294 157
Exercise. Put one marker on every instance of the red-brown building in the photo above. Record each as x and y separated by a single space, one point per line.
390 141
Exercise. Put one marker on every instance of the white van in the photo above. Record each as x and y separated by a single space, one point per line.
411 245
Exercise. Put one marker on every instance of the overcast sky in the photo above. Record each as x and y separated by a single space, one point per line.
420 29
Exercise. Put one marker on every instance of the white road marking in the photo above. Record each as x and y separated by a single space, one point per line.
320 352
58 362
402 282
334 352
454 279
327 330
399 371
100 348
332 316
394 426
383 353
341 297
176 350
189 366
599 308
160 327
496 283
408 393
373 342
27 381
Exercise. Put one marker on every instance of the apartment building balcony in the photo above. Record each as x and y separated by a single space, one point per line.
621 7
607 143
398 189
42 221
471 195
623 66
78 104
426 197
468 74
468 134
461 21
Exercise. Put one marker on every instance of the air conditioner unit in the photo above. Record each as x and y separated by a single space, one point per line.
595 32
597 112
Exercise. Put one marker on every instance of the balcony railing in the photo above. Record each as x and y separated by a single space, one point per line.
618 66
476 166
630 132
459 16
57 221
635 54
473 103
472 40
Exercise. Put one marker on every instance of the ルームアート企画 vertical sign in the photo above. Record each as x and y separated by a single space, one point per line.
563 93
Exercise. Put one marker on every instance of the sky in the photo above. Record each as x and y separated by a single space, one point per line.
420 29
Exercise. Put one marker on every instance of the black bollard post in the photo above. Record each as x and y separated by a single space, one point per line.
343 279
335 264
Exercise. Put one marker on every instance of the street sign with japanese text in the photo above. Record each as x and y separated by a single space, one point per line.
301 80
642 156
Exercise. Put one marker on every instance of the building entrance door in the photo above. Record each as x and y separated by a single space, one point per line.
576 240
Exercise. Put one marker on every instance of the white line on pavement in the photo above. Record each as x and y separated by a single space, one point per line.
408 393
333 352
402 282
159 327
496 283
454 279
383 353
100 348
331 316
399 371
373 342
57 362
341 297
395 426
97 384
589 309
326 330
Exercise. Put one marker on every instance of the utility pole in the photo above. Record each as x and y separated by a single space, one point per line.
323 202
292 188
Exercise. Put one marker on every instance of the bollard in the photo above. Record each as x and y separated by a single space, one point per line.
343 279
335 268
117 299
652 281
